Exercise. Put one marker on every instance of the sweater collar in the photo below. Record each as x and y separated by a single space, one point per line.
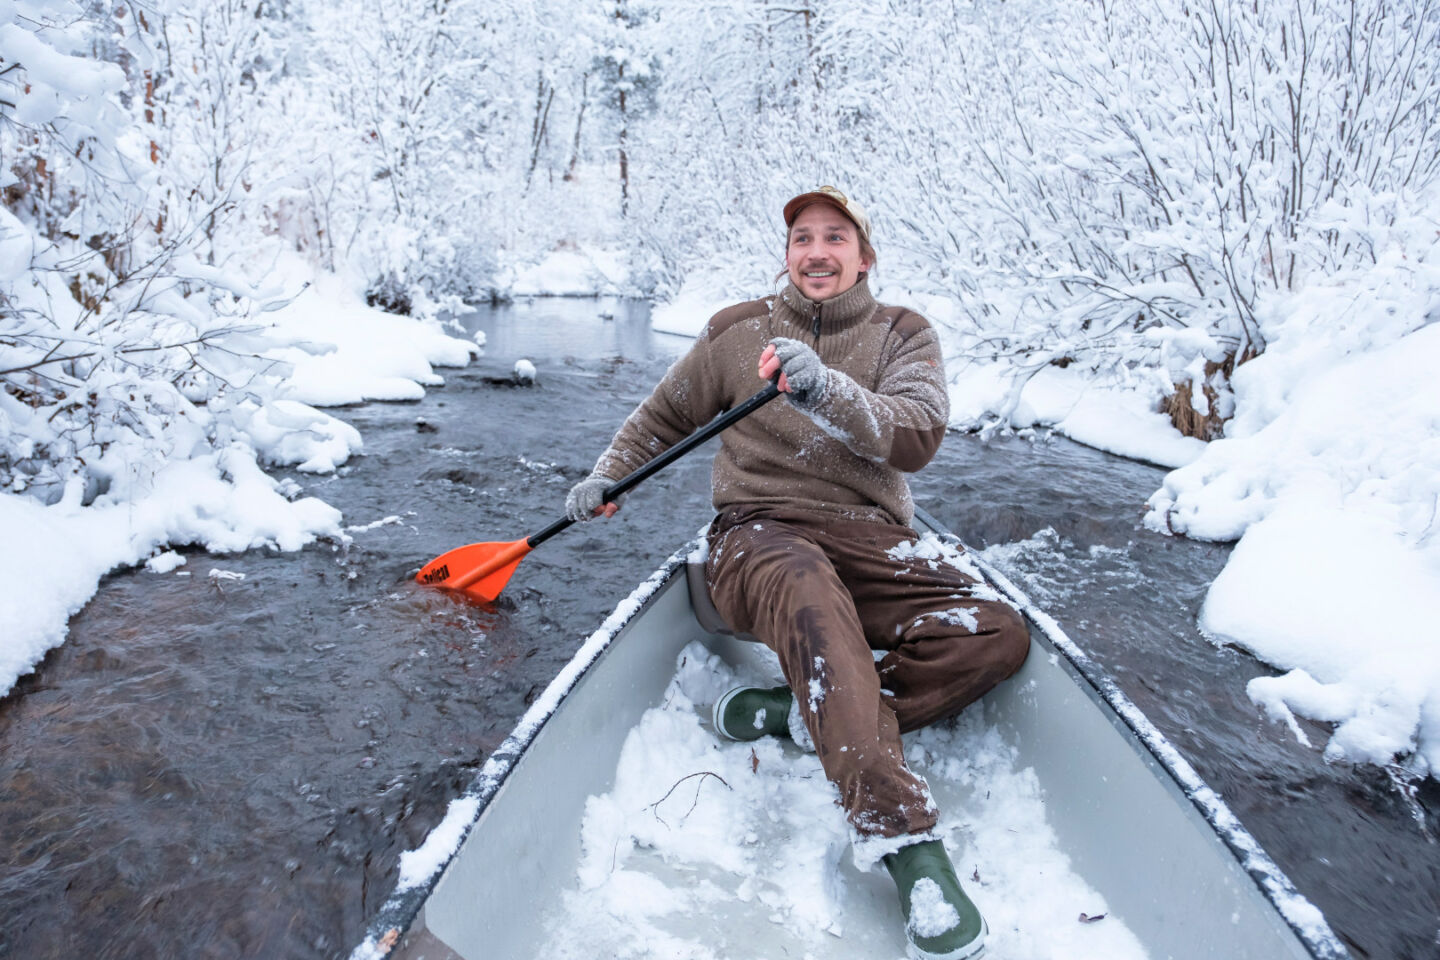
838 313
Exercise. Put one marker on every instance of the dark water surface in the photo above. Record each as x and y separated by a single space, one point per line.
231 768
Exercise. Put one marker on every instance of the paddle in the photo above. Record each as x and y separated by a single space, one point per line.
481 570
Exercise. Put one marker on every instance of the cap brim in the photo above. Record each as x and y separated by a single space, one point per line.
793 208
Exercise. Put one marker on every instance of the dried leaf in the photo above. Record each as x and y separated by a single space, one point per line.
975 877
754 761
1086 918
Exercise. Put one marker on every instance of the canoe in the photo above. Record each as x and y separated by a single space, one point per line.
1126 851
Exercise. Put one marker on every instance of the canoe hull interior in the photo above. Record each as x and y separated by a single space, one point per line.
1126 825
524 848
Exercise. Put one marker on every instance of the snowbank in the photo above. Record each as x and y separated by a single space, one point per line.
346 352
1330 476
1122 419
197 479
221 500
573 273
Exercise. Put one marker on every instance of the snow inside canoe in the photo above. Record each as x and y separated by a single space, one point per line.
612 822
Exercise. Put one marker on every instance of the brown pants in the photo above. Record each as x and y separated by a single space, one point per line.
823 594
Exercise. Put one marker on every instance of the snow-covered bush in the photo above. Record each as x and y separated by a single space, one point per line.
159 163
114 326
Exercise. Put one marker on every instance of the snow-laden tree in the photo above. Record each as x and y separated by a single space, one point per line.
114 323
627 75
1237 150
1113 184
396 168
739 125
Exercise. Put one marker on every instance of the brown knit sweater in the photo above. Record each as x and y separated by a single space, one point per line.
883 412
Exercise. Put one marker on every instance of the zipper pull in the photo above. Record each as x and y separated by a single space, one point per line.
815 332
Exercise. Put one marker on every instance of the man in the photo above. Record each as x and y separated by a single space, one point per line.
808 550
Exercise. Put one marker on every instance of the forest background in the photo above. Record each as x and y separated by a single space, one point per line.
1223 213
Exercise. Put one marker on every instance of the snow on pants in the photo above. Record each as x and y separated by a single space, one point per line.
871 645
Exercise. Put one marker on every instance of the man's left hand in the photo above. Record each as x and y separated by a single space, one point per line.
802 374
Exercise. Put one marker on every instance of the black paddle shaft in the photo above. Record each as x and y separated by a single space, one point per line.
727 419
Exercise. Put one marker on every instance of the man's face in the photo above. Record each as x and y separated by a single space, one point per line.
823 255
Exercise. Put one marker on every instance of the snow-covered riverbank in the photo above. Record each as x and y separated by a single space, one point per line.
1329 476
201 481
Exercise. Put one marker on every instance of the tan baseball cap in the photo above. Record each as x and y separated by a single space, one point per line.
835 197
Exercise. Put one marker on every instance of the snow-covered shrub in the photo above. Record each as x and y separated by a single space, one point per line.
114 328
446 141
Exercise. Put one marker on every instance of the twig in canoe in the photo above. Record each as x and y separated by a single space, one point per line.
654 807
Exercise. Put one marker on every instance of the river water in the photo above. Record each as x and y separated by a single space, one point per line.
222 767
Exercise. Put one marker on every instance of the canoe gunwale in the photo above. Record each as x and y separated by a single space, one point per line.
397 914
1273 883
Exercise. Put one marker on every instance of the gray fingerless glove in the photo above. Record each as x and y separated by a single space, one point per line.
805 374
586 496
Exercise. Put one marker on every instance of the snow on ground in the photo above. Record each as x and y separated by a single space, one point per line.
348 352
213 493
588 272
1118 418
1330 476
688 311
705 848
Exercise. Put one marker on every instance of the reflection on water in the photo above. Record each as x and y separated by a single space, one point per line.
567 327
232 768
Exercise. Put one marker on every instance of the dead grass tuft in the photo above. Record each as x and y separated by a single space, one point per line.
1182 413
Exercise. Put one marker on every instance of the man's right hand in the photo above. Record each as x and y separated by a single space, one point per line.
586 499
803 375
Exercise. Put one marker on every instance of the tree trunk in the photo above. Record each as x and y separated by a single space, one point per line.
579 125
624 157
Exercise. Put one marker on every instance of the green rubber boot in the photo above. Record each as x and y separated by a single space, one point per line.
940 921
749 713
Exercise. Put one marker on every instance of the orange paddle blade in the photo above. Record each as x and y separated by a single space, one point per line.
479 570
